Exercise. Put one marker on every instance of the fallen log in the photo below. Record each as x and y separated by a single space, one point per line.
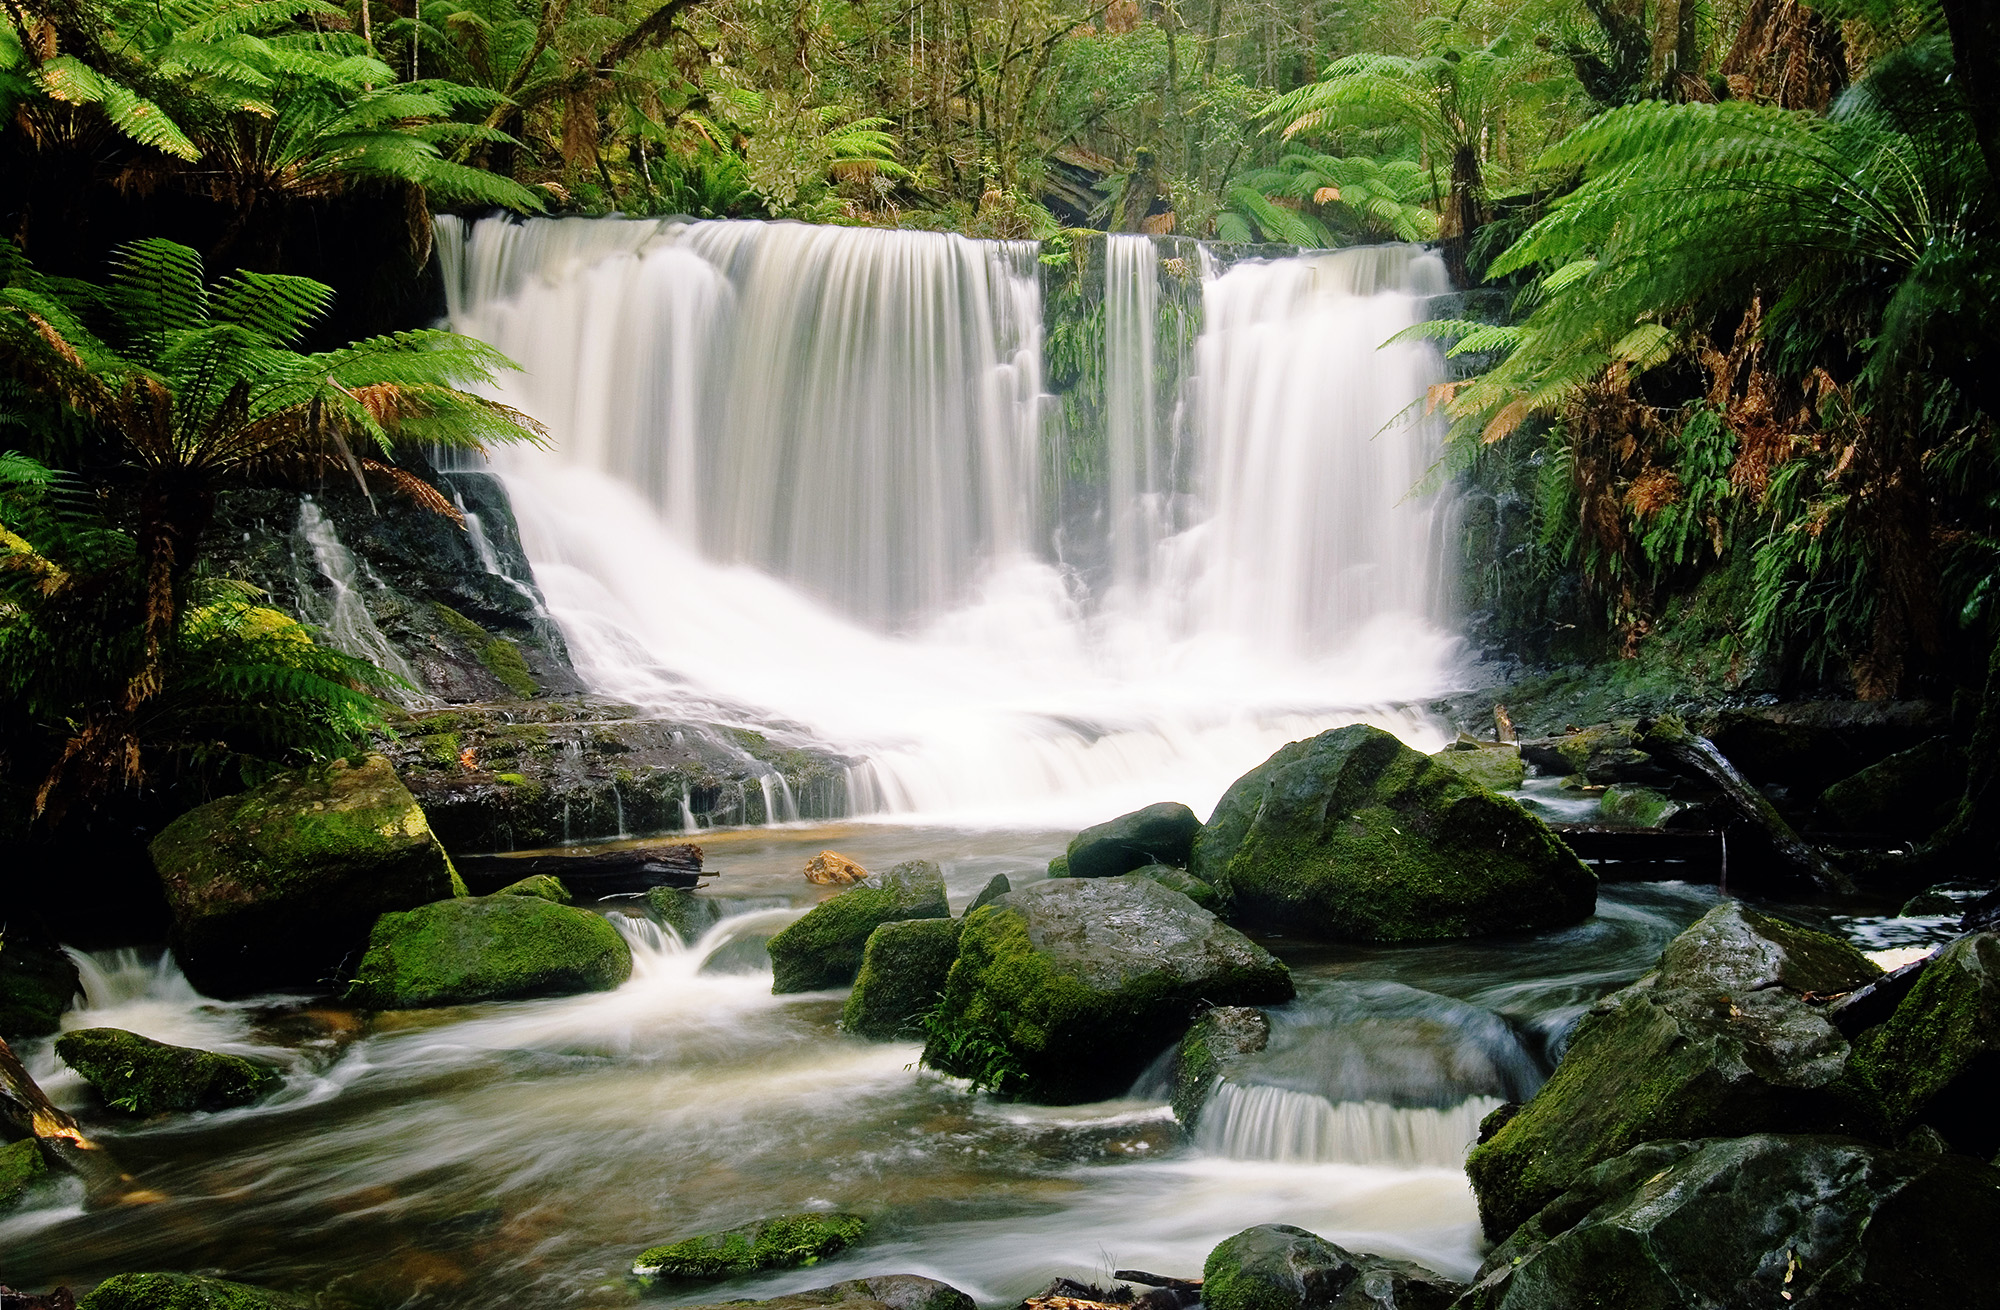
605 873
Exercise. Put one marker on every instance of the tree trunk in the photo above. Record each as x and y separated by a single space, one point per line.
1969 845
1975 51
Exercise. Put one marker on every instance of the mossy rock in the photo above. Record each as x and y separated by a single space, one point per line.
487 948
1059 867
1761 1220
1185 883
1496 766
903 968
139 1076
1913 792
1716 1042
1602 754
1637 807
21 1167
824 948
1065 990
783 1242
996 887
1159 834
1353 836
1279 1267
1218 1038
181 1292
272 888
1936 1061
544 885
882 1292
689 914
38 981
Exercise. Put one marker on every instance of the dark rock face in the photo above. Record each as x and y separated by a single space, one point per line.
1809 744
824 949
1716 1042
1279 1267
1761 1221
181 1292
140 1076
37 981
487 948
1936 1060
903 968
1065 990
1158 834
1353 836
1220 1036
1912 793
883 1292
996 887
783 1242
272 888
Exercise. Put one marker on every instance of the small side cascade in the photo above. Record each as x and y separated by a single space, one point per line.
779 804
1256 1122
339 611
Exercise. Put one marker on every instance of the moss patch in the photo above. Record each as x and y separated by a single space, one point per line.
501 656
21 1167
784 1242
487 948
824 948
1220 1036
903 968
545 885
1937 1059
139 1076
181 1292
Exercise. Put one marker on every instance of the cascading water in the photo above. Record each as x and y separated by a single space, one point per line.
339 610
797 478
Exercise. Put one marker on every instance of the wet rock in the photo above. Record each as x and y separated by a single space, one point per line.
1353 836
1759 1221
57 1299
689 914
1936 1060
1159 834
824 948
1637 807
544 885
1809 744
1864 1007
1065 990
181 1292
782 1242
903 968
273 887
1279 1267
21 1167
1717 1041
882 1292
1912 793
1183 882
140 1076
38 981
487 948
1602 754
1494 765
831 868
996 887
1220 1036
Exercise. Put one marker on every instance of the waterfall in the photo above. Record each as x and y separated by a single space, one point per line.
1275 1123
340 612
799 475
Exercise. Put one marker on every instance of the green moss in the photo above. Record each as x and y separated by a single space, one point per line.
545 885
440 749
784 1242
180 1292
474 636
1271 1267
753 742
1059 867
688 913
139 1076
503 660
1218 1037
1637 807
513 779
487 948
824 948
1185 883
21 1167
903 968
1494 767
1948 1027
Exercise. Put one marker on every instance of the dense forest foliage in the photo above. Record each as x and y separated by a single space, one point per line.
1738 369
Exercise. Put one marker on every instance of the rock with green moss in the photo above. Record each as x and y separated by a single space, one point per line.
1159 834
487 948
1065 990
903 968
181 1292
996 887
1637 807
1494 765
688 913
1912 793
882 1292
1185 883
1353 836
21 1167
140 1076
544 885
1717 1041
1059 867
38 981
272 888
1279 1267
1602 754
824 948
1756 1221
1220 1037
1936 1061
783 1242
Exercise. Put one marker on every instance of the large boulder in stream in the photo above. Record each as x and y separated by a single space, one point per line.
140 1076
272 888
1936 1060
1218 1039
487 948
782 1242
1279 1267
1159 834
882 1292
824 948
38 981
1063 991
1353 836
1760 1222
903 968
1718 1041
181 1292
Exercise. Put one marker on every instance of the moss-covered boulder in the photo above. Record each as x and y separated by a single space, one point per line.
1716 1042
1912 793
38 981
21 1167
688 913
1353 836
1159 834
782 1242
1185 883
996 887
487 948
1936 1061
903 968
181 1292
273 887
544 885
1064 991
882 1292
1602 754
1219 1037
1494 765
824 948
1637 807
1279 1267
137 1075
1759 1221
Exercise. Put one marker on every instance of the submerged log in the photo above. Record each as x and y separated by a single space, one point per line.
28 1112
606 873
1645 854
